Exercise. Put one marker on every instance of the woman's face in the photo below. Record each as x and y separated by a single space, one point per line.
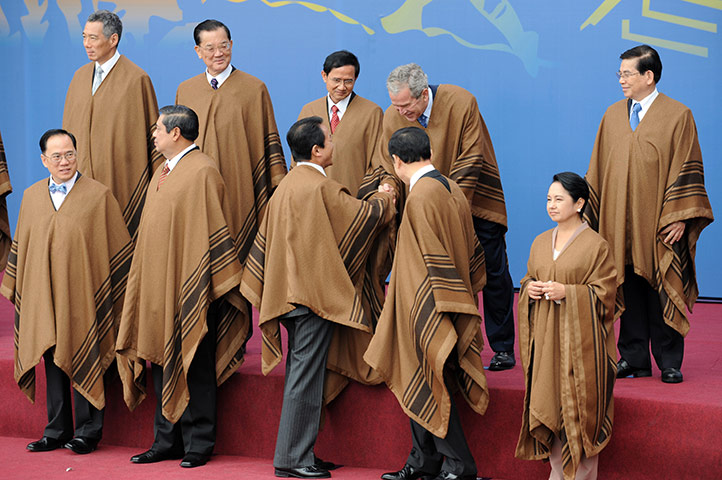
560 205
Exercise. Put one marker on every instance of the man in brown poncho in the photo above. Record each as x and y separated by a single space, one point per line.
237 130
648 200
66 275
355 124
5 190
428 340
463 152
303 272
112 109
183 311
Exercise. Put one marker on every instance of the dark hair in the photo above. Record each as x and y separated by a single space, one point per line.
341 59
182 117
303 135
648 59
410 144
208 26
111 22
575 186
53 132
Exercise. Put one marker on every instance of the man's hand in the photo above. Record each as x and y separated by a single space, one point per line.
386 188
674 232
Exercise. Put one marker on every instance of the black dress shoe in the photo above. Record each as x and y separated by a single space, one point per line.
671 375
502 361
624 369
45 444
153 456
311 471
407 473
192 460
325 465
452 476
82 445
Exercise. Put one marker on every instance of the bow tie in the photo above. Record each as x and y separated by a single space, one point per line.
58 188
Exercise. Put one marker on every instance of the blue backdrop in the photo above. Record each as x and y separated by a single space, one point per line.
543 73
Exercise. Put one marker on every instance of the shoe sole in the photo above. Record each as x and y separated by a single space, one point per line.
637 374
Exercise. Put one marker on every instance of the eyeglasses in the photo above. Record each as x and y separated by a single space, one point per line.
57 157
626 74
348 82
211 49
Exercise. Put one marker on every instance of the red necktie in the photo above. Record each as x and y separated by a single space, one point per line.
163 174
334 118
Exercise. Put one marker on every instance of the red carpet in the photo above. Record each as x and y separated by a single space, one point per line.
660 431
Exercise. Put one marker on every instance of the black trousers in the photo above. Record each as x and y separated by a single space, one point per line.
88 419
432 454
642 322
195 432
499 289
309 337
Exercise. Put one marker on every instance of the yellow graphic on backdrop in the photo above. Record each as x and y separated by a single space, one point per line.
607 5
523 44
313 7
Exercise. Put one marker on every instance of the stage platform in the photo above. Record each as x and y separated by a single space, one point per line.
660 430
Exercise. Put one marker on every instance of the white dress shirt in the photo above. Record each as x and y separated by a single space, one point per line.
342 106
419 173
317 167
174 161
427 112
107 67
646 102
59 197
222 77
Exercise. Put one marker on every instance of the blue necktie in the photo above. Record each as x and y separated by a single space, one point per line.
634 119
214 83
423 120
58 188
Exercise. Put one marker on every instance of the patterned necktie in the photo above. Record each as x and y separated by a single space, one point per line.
58 188
97 78
214 83
163 174
634 119
423 120
334 118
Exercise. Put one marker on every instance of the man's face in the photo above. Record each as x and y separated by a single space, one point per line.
98 47
408 106
164 141
327 150
340 82
635 85
60 158
215 50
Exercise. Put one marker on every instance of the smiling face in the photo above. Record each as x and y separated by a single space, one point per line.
409 107
635 84
215 50
339 82
98 47
60 158
560 205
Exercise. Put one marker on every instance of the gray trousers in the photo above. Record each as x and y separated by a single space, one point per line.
309 337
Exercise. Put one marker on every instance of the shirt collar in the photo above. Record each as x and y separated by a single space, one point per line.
221 77
646 102
68 185
174 161
419 173
342 105
107 66
427 112
317 167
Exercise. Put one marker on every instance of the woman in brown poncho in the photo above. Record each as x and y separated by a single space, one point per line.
566 339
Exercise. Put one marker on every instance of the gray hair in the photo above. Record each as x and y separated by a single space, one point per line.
410 75
111 22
